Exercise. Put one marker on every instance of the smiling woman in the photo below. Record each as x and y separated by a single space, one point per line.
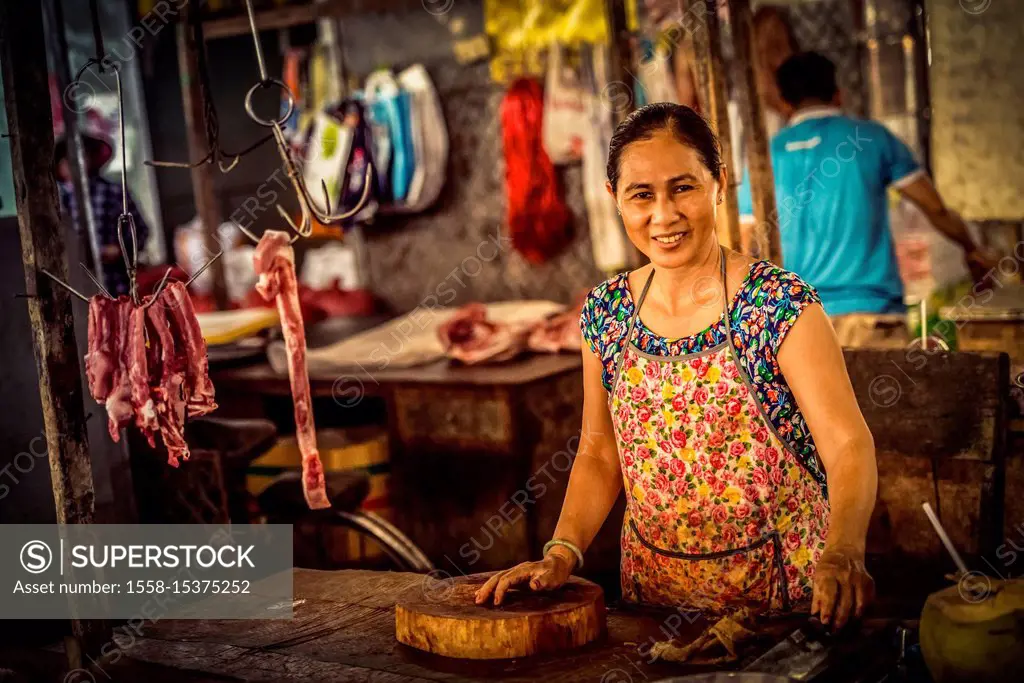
726 410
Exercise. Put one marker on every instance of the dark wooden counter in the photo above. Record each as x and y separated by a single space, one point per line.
480 455
344 630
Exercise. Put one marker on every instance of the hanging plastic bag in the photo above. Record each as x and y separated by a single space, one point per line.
608 241
432 150
564 110
655 73
412 196
360 160
390 105
327 155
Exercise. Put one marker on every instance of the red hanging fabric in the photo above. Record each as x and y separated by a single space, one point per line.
539 223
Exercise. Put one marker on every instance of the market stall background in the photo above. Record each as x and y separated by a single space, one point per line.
409 255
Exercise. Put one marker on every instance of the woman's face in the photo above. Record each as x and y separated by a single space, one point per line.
668 200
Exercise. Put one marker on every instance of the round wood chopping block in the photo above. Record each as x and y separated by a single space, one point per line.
443 618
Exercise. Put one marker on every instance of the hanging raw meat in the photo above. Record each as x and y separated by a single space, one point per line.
274 263
147 364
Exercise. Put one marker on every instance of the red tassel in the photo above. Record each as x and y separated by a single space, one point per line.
539 222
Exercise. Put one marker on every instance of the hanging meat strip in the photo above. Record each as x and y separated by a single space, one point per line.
118 402
166 392
274 262
102 357
197 379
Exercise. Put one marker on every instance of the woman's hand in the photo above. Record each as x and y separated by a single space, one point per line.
842 586
547 574
982 262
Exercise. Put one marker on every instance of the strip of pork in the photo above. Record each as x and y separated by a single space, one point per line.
274 263
198 387
101 359
119 402
166 392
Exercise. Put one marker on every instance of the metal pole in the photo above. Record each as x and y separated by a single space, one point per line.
85 226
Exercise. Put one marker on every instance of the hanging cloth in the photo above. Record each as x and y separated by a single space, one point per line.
565 115
390 105
430 137
539 222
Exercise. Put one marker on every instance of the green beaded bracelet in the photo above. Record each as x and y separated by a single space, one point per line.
571 546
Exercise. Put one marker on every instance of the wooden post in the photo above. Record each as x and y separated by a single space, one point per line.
762 183
203 192
621 54
619 63
714 87
27 101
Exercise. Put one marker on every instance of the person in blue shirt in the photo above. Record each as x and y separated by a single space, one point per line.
832 173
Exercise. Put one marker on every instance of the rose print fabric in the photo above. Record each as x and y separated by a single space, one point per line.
762 312
721 513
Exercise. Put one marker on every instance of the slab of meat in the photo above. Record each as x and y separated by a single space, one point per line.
470 338
274 263
147 364
560 332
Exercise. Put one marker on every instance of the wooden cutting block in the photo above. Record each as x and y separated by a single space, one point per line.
443 618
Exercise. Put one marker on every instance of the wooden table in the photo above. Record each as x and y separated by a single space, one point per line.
344 630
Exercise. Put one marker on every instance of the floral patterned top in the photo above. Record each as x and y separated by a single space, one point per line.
763 310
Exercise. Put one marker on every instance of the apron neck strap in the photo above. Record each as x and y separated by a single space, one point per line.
643 295
725 295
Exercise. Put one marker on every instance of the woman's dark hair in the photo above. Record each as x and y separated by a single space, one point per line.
688 126
807 76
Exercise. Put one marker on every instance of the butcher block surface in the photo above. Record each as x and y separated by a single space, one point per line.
445 619
343 629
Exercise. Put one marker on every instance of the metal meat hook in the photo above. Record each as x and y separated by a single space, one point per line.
307 206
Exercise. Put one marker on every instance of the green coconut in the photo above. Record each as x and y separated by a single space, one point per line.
975 633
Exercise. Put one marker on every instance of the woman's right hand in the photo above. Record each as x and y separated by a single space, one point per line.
547 574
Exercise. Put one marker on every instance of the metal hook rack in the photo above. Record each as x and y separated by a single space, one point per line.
307 206
214 150
131 263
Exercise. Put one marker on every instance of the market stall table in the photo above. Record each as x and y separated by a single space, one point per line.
463 441
343 629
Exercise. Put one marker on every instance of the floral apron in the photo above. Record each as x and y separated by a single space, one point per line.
720 513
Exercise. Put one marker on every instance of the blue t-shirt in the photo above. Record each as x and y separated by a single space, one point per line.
831 176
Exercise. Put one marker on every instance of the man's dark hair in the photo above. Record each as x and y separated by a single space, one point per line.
807 76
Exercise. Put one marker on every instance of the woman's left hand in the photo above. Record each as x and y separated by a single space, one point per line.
842 586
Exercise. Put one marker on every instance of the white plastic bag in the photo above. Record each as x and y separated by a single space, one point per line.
608 240
430 138
326 158
565 110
